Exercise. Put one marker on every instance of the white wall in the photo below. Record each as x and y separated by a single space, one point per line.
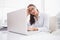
1 12
12 5
52 7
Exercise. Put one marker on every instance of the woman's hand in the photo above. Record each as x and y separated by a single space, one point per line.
32 29
28 11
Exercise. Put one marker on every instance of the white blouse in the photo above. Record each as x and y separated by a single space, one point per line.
42 23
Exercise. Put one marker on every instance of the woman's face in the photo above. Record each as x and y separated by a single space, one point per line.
32 10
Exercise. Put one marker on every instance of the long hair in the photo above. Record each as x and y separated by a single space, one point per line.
31 5
32 20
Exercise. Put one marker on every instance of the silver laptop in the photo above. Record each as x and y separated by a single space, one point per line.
16 22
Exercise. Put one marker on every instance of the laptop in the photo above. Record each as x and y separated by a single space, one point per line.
16 22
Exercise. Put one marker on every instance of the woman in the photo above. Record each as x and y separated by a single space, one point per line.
36 21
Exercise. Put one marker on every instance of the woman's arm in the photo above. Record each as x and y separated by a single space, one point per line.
45 27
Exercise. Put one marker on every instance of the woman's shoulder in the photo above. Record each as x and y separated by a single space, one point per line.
43 14
40 15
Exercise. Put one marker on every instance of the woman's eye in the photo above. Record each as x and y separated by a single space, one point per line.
32 8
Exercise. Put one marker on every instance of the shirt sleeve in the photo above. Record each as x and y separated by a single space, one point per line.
27 21
45 27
